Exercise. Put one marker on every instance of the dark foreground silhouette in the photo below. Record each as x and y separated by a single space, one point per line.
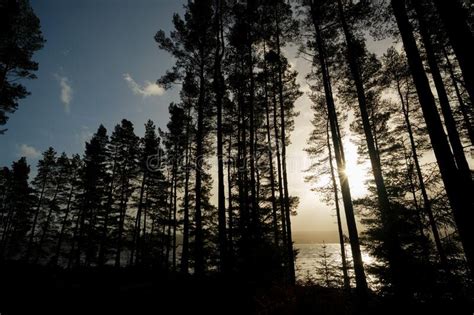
30 289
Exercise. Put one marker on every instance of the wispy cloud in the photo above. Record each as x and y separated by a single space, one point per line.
28 151
83 135
66 92
147 89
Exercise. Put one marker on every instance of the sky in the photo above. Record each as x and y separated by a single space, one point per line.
99 65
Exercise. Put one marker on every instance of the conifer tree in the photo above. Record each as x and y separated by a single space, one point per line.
192 44
44 186
17 212
20 38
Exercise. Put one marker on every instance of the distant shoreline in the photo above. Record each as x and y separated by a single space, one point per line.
315 237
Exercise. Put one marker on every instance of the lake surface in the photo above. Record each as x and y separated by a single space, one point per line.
309 260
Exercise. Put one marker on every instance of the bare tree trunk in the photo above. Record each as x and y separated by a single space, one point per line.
174 220
137 227
460 35
199 241
185 247
361 281
426 201
168 238
289 243
35 221
449 120
74 242
230 210
279 173
63 227
46 224
457 190
219 87
123 211
276 234
463 107
103 238
254 220
347 283
388 217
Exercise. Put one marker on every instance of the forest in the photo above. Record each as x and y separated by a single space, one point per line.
133 222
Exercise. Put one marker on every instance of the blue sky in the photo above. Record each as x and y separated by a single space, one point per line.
98 66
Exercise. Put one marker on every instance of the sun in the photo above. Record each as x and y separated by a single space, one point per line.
357 173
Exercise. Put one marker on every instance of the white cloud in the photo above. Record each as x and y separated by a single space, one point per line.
66 92
83 135
148 89
28 152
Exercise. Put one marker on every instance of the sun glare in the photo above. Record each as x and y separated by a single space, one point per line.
356 172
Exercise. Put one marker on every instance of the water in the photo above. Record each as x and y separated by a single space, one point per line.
308 260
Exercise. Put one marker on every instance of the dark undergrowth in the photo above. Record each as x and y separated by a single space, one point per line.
29 289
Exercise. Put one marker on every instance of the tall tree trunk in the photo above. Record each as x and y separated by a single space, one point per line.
121 223
35 220
347 283
289 243
63 227
457 191
137 227
175 219
199 241
243 175
426 201
361 281
142 254
230 210
279 173
388 217
454 17
254 220
465 110
449 120
7 232
276 234
46 224
219 87
419 220
72 252
168 237
103 237
185 247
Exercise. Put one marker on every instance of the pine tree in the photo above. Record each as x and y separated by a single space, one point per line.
458 187
398 75
124 144
192 43
68 203
20 38
17 205
44 186
354 55
321 152
91 215
48 226
318 10
455 18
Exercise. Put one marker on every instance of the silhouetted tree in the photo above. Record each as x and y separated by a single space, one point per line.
192 44
91 214
458 186
43 184
68 203
17 205
319 13
124 143
20 38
